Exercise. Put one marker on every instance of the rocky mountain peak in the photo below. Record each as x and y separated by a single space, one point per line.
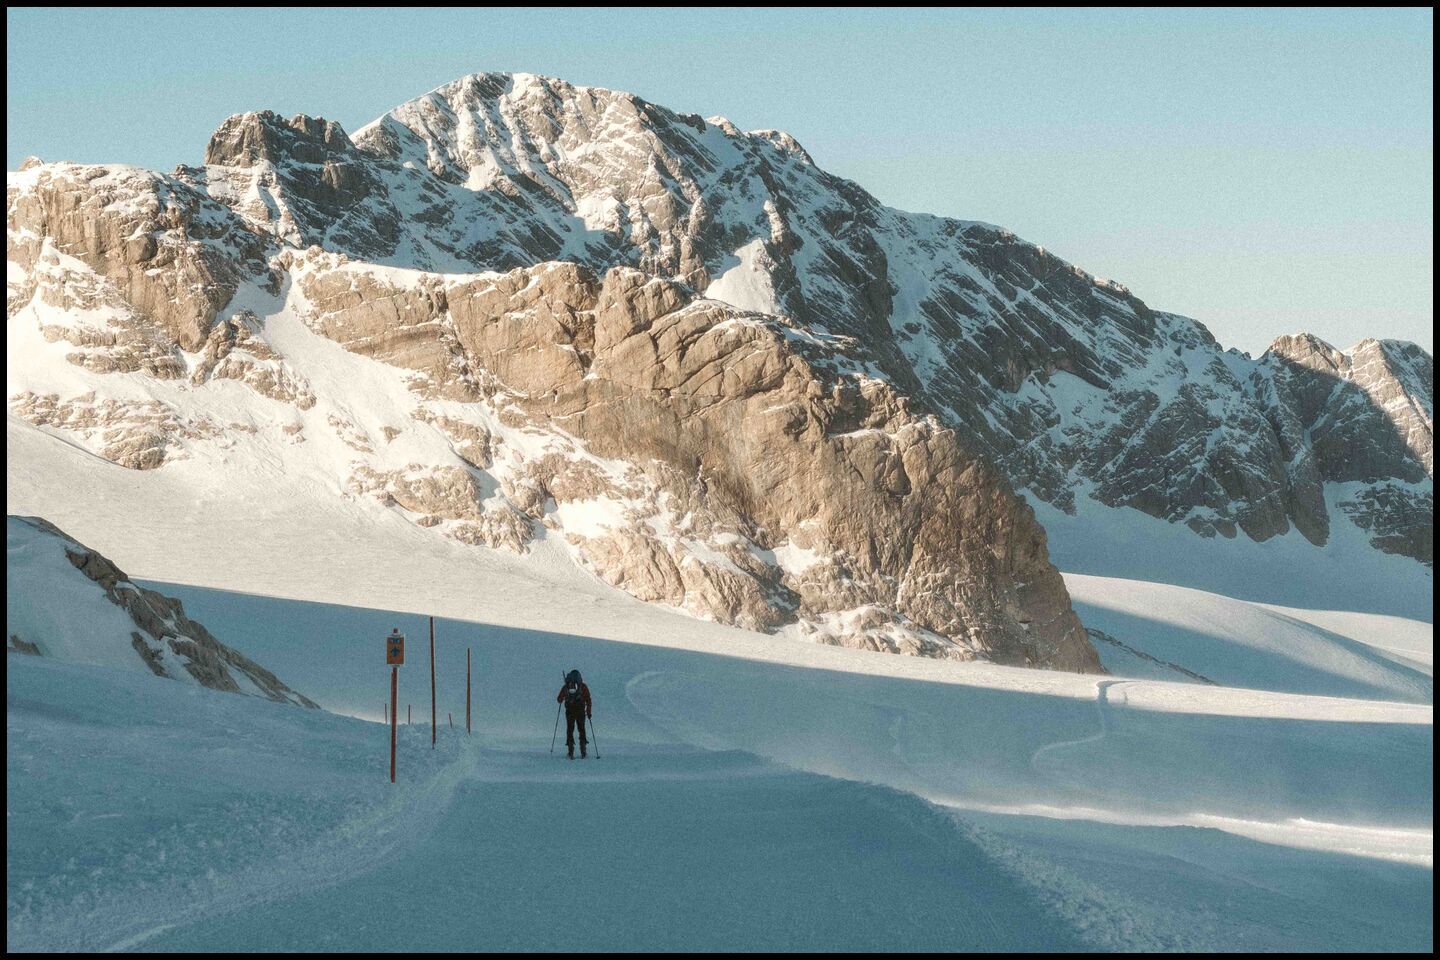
301 179
248 139
734 383
1306 349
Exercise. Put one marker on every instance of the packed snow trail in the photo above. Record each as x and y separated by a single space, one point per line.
956 734
659 850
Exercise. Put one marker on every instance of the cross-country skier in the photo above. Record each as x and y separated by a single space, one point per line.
576 697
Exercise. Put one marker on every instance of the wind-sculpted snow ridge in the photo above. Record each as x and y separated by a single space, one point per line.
732 383
65 601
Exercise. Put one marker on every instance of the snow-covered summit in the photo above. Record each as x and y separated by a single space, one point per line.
551 279
978 325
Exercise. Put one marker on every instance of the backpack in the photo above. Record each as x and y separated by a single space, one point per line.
574 698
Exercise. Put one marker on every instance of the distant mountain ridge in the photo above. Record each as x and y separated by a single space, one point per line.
495 171
728 381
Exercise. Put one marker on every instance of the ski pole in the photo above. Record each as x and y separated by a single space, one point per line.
594 739
557 728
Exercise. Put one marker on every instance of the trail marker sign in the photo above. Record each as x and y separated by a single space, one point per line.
394 657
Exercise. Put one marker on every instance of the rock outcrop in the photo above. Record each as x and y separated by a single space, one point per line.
1365 422
173 254
163 637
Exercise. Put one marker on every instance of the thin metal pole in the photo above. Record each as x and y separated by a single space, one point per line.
467 689
394 716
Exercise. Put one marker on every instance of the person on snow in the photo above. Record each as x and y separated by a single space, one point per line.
576 697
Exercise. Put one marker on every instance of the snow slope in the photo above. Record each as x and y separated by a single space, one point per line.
1346 574
1407 641
1235 643
86 627
711 821
63 601
1127 812
302 544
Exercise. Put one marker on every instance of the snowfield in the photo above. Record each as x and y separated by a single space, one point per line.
753 792
1206 637
735 805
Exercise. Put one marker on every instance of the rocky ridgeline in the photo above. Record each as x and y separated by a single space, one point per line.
735 384
163 636
1069 383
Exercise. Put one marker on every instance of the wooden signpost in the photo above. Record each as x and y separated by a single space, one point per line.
432 683
394 656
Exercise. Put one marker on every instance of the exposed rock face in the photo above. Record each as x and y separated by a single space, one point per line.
716 443
300 179
141 435
750 444
175 255
1364 420
732 383
164 637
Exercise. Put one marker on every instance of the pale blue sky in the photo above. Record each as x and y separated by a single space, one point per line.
1264 172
